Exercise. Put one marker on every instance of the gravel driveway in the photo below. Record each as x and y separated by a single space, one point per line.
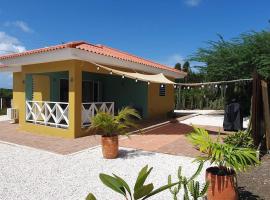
27 173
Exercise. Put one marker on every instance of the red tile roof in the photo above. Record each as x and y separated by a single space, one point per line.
98 49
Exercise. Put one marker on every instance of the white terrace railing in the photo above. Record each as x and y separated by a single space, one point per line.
90 109
47 113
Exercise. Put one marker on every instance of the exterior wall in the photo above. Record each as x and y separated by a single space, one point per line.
122 91
41 88
159 106
22 78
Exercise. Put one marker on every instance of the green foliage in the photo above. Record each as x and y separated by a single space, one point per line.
177 66
141 190
3 111
236 58
240 139
186 67
7 93
144 191
113 125
191 188
90 197
225 156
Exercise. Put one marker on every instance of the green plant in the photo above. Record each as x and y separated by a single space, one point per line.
240 139
227 157
110 125
143 191
191 187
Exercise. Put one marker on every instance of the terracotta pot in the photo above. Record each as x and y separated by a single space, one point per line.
222 187
109 146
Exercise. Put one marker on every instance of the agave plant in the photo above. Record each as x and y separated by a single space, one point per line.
110 125
225 156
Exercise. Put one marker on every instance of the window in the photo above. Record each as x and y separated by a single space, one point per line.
162 90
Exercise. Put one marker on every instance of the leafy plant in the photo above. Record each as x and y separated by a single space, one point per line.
110 125
141 190
227 157
240 139
191 187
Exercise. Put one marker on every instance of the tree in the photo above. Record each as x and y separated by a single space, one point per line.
177 66
186 67
236 58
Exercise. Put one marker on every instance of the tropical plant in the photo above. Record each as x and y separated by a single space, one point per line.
236 58
240 139
227 157
143 191
109 125
177 66
191 188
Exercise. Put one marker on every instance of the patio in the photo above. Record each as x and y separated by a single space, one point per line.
166 137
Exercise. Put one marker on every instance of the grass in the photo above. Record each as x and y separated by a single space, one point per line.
3 111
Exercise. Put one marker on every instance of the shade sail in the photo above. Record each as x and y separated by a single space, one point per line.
155 78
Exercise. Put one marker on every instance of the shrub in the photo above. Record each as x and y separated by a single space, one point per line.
240 139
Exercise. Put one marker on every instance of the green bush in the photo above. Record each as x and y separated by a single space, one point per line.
240 139
3 111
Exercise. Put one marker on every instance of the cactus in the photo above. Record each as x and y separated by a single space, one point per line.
191 188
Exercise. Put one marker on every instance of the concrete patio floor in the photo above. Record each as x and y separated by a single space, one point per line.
167 138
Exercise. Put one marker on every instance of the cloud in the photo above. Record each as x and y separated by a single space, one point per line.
10 44
23 26
173 59
193 3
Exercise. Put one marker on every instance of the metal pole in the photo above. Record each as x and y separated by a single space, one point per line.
1 103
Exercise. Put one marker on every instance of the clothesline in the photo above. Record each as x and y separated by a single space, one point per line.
212 83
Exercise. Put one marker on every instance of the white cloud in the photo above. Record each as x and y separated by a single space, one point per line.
23 26
10 44
173 59
193 3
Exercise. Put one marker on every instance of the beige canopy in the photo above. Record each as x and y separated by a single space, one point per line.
156 78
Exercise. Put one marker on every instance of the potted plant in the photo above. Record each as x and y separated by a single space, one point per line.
228 159
110 127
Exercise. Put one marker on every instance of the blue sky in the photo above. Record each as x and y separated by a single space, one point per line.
164 31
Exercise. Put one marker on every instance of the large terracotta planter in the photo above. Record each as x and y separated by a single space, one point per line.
222 187
109 147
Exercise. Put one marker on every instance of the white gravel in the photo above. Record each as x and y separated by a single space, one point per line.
27 173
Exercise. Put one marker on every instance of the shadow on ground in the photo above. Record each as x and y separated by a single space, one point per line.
132 153
246 195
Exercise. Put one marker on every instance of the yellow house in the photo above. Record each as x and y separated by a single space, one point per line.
57 89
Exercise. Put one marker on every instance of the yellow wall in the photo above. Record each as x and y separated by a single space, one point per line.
41 88
159 106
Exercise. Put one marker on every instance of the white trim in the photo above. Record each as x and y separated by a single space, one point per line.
11 69
78 54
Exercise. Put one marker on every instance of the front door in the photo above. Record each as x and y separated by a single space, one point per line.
64 88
